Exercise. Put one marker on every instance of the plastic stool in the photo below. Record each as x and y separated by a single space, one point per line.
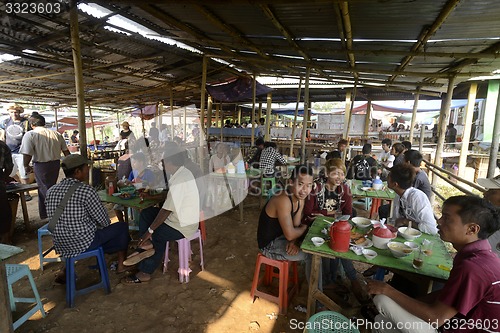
14 274
331 322
44 231
184 246
71 291
283 294
374 207
202 228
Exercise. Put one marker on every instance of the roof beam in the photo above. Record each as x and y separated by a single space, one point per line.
427 33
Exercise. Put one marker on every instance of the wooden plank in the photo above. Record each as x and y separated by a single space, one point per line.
5 314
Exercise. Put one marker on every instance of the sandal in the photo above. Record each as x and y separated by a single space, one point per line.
139 255
132 279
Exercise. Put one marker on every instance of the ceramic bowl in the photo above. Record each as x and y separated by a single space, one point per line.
413 245
317 241
379 242
412 234
362 222
369 254
399 250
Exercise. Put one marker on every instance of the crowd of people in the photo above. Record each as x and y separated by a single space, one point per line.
470 224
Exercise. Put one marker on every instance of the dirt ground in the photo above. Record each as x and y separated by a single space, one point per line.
215 300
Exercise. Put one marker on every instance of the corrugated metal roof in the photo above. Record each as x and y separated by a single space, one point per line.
390 48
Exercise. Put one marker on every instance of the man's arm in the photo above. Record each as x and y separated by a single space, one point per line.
433 312
26 163
282 206
159 219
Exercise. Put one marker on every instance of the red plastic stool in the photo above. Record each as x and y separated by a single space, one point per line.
283 275
202 228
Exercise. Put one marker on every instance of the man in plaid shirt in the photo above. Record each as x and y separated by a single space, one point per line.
268 159
84 224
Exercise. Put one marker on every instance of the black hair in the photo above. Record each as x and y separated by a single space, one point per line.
477 210
387 141
403 174
414 157
367 148
270 144
259 141
301 170
342 142
406 144
37 120
398 147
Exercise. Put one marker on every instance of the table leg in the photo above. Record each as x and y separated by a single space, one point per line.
313 285
26 217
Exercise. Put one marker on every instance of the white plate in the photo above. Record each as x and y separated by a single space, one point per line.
366 188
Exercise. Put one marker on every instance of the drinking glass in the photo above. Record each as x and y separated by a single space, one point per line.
418 258
427 247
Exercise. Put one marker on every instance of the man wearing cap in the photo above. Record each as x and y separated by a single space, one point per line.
126 132
44 147
84 223
492 195
15 127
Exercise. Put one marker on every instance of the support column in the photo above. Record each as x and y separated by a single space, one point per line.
469 111
77 65
209 113
172 127
254 85
203 132
414 116
443 122
347 114
367 118
304 121
294 124
494 142
267 137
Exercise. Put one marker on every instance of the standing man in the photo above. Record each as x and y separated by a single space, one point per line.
44 147
15 127
470 298
451 133
385 157
6 166
84 223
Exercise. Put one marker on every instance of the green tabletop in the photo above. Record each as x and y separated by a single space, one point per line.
385 193
132 203
440 255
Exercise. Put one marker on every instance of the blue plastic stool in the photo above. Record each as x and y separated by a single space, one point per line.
44 231
14 274
71 290
331 322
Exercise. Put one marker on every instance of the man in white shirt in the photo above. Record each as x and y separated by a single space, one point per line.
44 147
410 204
178 218
385 157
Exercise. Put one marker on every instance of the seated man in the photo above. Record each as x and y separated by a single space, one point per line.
280 224
253 157
421 181
178 218
84 224
471 294
492 195
410 204
361 165
268 159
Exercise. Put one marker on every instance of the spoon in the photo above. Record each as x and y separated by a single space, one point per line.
407 231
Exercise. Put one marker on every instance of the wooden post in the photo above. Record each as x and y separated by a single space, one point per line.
203 132
5 314
239 114
304 120
254 85
55 118
268 116
367 118
443 122
469 111
77 65
217 115
294 124
93 127
414 116
422 134
347 114
494 142
350 109
260 111
221 122
172 127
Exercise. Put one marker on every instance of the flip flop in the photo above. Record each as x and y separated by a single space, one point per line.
136 258
132 279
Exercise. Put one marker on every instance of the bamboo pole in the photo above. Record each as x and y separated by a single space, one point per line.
494 142
217 115
294 124
77 65
348 102
443 121
93 128
56 124
254 85
469 111
185 124
239 115
172 127
203 132
422 134
260 111
414 116
209 113
367 118
268 116
304 120
221 122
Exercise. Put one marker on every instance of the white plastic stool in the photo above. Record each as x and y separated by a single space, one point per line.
14 274
184 246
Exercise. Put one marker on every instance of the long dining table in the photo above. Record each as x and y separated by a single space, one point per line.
436 267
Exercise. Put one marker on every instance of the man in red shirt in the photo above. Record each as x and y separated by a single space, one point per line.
470 299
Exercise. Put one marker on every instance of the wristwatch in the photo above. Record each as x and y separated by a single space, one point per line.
150 230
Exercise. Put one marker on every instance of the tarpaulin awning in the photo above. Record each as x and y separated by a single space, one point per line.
148 112
87 125
237 90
